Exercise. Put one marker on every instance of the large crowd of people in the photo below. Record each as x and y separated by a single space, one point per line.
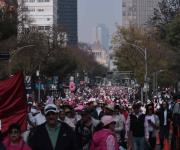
99 118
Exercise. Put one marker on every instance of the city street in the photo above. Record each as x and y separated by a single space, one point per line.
90 75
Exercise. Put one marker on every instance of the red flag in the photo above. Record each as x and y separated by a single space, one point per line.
13 107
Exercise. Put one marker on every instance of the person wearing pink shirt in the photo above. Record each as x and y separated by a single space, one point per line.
105 138
14 141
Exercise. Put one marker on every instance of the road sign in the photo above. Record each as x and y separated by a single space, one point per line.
4 56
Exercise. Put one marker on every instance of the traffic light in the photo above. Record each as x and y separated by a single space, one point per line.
4 56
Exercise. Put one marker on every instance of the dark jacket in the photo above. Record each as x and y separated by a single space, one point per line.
2 147
161 117
137 125
83 134
66 139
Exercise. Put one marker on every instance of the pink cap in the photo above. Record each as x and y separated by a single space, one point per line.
107 119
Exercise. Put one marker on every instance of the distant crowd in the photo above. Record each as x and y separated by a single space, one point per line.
99 118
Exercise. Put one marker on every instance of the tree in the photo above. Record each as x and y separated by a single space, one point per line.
8 32
8 20
48 51
173 32
173 38
129 58
163 14
166 21
37 49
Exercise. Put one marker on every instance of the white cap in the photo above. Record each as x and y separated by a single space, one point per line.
50 108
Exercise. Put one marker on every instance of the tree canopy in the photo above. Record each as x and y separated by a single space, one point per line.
129 44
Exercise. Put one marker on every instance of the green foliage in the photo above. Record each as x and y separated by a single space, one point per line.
173 32
131 58
165 13
8 23
166 20
52 58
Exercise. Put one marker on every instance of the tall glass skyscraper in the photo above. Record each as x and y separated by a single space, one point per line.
101 35
67 18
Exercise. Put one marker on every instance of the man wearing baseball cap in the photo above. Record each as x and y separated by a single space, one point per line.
53 134
84 129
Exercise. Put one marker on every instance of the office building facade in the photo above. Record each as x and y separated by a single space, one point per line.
137 12
67 18
44 14
40 14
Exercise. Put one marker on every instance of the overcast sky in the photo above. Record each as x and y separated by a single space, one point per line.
94 12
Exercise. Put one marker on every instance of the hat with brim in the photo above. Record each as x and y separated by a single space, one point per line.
107 119
50 108
109 107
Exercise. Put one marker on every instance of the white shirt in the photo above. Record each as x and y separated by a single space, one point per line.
165 117
39 119
98 109
120 124
110 142
31 118
70 122
152 118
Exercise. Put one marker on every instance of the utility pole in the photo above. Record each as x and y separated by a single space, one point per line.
39 84
143 52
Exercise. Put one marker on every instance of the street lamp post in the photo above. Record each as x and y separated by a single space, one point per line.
143 52
39 85
14 53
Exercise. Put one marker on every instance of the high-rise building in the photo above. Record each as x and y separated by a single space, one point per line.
101 35
38 13
67 18
45 14
137 12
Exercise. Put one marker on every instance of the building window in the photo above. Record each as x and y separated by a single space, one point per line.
40 0
124 4
40 27
47 27
25 8
40 9
43 1
31 1
33 28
